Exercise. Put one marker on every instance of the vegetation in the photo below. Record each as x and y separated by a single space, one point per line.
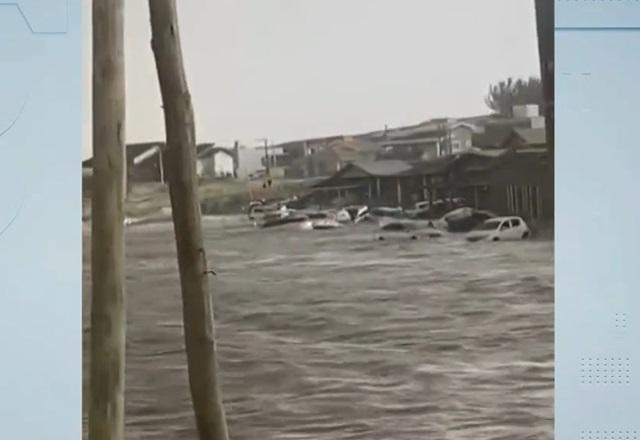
505 94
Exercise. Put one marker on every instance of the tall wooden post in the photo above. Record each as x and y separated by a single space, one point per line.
108 317
546 36
194 279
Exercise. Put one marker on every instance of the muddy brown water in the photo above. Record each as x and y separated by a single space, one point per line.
333 335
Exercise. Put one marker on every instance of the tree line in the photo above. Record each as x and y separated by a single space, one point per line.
505 94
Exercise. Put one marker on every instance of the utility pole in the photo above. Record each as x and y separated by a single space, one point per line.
267 158
236 158
544 10
545 31
108 316
267 164
197 304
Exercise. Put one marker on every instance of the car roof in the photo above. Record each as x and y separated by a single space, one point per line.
504 218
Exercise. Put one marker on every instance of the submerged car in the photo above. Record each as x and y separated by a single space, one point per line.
376 214
500 229
356 211
466 219
321 220
412 229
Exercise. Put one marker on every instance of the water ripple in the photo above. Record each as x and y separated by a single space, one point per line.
337 336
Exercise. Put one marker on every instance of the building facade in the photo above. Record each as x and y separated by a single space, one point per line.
505 182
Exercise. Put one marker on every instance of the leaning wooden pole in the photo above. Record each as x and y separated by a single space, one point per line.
192 263
545 30
544 10
108 317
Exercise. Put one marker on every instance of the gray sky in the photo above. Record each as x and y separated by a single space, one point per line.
288 69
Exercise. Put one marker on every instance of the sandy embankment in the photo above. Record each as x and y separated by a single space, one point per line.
150 202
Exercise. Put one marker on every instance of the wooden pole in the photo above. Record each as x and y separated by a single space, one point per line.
192 263
544 10
267 159
108 317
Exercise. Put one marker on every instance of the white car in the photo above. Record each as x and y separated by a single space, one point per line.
342 216
501 229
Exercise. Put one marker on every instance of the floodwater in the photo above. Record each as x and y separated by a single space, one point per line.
331 335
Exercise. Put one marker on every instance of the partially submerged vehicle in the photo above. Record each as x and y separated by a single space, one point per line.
327 223
455 202
378 213
384 211
321 221
281 221
465 219
355 211
258 210
414 229
280 217
436 209
501 229
343 216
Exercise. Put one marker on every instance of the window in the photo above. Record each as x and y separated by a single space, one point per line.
489 225
505 225
515 223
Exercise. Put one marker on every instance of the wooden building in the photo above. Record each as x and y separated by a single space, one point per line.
507 182
374 183
510 183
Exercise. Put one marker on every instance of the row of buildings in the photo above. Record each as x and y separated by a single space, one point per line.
146 162
321 157
495 163
513 181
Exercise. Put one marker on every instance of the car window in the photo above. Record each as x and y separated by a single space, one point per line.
505 225
515 222
490 225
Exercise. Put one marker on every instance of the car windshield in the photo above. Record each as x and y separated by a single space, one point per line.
490 225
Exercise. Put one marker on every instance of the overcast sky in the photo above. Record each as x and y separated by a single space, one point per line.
288 69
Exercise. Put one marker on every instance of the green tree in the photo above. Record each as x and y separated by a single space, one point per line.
505 94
